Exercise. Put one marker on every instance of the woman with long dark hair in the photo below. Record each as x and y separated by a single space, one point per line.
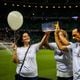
26 68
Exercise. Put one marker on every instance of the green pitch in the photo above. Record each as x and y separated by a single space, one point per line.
45 60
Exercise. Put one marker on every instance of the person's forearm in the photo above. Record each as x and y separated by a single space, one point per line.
45 38
59 43
57 40
14 57
63 38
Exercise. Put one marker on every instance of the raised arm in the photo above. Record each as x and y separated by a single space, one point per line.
44 40
59 43
61 33
63 37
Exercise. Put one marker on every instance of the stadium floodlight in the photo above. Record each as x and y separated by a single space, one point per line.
75 17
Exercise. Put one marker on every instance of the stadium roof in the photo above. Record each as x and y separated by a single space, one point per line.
39 9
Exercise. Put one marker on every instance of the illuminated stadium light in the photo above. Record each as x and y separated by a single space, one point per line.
33 14
76 6
29 6
75 17
70 6
41 6
5 4
24 5
59 7
46 6
35 6
53 7
64 6
18 5
13 5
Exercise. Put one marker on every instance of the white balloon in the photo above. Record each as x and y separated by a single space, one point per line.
15 20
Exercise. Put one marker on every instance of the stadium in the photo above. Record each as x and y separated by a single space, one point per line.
35 13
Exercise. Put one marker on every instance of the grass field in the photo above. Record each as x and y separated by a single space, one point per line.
45 60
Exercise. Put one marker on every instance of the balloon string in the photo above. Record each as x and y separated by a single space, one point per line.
14 37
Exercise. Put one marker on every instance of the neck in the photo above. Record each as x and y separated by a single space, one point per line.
26 44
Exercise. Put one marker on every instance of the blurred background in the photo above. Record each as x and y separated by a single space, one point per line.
35 13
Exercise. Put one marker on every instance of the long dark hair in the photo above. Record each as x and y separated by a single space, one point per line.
19 41
78 30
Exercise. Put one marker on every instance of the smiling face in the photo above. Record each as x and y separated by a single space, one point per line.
25 38
76 35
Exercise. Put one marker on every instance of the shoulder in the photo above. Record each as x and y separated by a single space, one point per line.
19 48
35 45
71 45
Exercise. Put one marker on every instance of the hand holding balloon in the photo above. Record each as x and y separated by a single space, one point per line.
15 21
14 46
